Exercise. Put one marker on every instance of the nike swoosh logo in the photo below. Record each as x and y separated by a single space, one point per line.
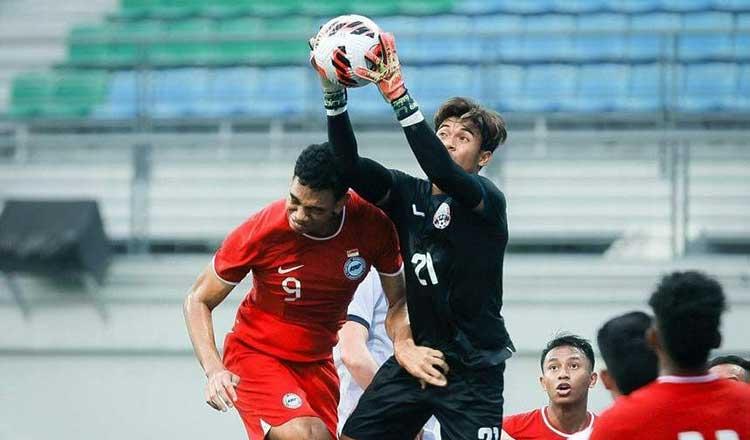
289 269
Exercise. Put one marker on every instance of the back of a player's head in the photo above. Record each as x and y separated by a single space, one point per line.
733 360
489 123
569 340
622 344
688 307
317 169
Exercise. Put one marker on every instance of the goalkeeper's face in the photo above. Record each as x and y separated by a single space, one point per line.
463 141
313 212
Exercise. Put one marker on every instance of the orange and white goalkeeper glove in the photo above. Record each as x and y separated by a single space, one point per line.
387 76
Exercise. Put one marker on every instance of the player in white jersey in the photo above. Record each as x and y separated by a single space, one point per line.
364 346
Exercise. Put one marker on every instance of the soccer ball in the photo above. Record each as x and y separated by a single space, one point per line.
355 35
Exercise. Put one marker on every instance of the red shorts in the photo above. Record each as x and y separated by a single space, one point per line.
273 391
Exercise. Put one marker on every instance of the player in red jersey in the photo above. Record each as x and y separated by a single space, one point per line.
567 364
307 254
686 402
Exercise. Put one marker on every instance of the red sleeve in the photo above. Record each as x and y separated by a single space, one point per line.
237 254
388 258
510 425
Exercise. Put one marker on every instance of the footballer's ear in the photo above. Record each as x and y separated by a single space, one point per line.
593 379
341 202
652 338
484 157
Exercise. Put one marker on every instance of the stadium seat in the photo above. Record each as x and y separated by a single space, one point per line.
89 44
426 7
547 37
731 5
232 91
478 7
631 6
549 88
226 8
283 91
328 8
275 8
135 39
442 47
122 95
578 6
367 101
646 90
502 85
601 87
236 34
172 91
76 93
602 36
685 5
175 9
742 37
30 92
646 40
375 8
707 87
499 36
526 6
743 90
438 83
656 22
186 43
707 36
133 9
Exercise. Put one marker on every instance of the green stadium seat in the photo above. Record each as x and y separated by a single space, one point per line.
30 93
425 7
135 9
173 9
289 26
293 51
226 8
187 42
236 46
76 93
135 40
330 8
374 8
275 7
89 44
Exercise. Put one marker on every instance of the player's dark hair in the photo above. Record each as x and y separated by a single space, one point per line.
568 340
317 168
732 360
490 124
622 344
688 307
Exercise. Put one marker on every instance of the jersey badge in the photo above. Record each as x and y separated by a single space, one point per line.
442 217
354 266
291 401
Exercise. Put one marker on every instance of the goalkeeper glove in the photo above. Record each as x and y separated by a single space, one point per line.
334 95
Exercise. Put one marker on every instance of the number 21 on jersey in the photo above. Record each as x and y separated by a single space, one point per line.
423 263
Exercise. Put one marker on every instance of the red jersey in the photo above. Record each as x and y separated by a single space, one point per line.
534 425
302 284
680 408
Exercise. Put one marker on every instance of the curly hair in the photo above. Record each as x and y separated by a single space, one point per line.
317 168
688 307
489 123
622 344
569 340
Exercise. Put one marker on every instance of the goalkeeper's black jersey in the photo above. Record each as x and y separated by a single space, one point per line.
453 258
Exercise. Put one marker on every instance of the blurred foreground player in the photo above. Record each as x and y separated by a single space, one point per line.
685 402
307 254
731 367
453 232
567 365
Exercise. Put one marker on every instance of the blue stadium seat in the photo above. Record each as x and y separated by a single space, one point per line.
602 36
179 92
367 101
438 83
743 21
548 88
712 40
743 90
232 91
732 5
601 87
646 46
578 6
526 6
645 88
446 47
631 5
398 24
685 5
283 91
656 22
121 97
707 87
505 46
502 85
478 6
541 46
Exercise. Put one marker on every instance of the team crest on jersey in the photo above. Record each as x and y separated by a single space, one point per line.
355 267
291 401
442 217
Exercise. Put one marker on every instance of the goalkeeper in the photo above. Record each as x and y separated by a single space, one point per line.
453 231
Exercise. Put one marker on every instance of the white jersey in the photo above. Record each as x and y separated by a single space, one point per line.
369 307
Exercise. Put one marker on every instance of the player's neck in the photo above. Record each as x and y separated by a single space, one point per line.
669 368
436 191
569 418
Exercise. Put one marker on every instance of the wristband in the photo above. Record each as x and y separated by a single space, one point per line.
334 100
404 106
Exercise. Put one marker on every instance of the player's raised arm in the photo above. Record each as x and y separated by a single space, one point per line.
429 149
207 292
370 179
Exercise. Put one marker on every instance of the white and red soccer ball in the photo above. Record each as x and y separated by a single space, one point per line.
340 47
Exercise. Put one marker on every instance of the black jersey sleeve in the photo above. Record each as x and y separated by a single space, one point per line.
440 168
368 178
494 210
